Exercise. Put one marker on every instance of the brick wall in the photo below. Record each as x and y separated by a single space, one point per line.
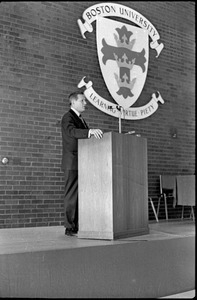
42 59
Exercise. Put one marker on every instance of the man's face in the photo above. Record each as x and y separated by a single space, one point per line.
80 103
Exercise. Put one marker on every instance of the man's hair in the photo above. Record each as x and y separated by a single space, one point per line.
74 96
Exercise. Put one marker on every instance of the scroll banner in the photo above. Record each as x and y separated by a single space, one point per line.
135 113
117 10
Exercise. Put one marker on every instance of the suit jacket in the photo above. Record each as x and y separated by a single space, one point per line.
72 129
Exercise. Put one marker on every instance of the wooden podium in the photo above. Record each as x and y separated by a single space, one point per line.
113 187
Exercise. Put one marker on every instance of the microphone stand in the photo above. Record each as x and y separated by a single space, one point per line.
119 109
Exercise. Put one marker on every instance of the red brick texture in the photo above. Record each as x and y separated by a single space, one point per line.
42 59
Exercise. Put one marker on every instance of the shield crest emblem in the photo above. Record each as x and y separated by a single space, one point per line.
123 55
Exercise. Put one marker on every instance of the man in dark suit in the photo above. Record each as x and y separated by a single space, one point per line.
73 128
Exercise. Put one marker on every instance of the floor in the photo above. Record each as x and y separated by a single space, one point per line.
20 240
179 227
186 295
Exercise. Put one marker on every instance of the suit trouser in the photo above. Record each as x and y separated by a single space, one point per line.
71 199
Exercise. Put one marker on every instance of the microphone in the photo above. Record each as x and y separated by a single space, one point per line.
118 107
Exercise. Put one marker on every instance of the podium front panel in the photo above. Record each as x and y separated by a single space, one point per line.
95 187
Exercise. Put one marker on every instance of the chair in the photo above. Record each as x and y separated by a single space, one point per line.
167 191
192 216
186 193
153 208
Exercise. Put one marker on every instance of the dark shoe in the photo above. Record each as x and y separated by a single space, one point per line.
75 230
70 232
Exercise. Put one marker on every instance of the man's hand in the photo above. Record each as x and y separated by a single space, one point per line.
97 133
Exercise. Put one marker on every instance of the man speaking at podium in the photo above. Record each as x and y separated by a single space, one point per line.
73 127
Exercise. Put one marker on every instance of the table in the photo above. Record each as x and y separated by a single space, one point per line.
185 190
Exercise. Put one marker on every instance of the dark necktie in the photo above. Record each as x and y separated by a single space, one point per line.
84 123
